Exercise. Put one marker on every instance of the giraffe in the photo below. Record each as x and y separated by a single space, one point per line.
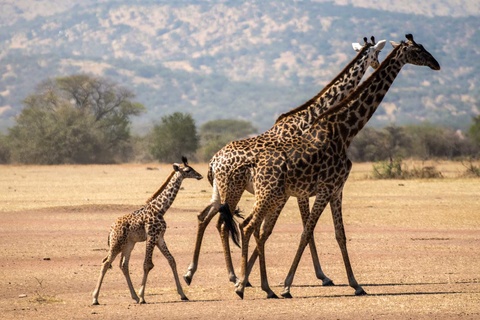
316 164
146 224
292 123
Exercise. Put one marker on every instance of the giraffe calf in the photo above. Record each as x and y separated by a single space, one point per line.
145 224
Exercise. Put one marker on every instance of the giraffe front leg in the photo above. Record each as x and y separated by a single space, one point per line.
171 261
304 208
147 266
336 207
204 219
308 228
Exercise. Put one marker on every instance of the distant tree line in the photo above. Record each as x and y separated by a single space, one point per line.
86 119
422 141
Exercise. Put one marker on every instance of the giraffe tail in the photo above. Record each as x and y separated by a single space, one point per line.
232 226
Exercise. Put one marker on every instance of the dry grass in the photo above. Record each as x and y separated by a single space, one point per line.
36 187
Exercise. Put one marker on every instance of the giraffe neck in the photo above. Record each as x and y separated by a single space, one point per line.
164 197
298 120
354 114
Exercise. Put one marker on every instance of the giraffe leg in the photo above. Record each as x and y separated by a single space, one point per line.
336 208
204 219
171 261
246 233
147 266
251 263
262 237
305 212
263 204
253 257
223 231
106 264
124 261
309 227
232 192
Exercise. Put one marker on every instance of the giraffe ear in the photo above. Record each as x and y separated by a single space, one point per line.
357 46
176 166
380 44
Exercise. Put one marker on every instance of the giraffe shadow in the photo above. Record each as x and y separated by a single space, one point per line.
351 295
180 301
380 294
373 284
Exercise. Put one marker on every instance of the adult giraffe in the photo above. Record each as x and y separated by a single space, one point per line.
316 164
292 123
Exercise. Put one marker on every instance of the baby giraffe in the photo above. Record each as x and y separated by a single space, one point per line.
146 224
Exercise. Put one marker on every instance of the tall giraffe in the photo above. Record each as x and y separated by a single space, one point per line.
292 123
146 224
316 164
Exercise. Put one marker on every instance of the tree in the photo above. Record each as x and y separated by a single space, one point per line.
374 145
430 141
217 133
174 137
74 119
474 131
4 149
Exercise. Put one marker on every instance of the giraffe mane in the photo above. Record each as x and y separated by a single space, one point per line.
160 190
359 90
312 100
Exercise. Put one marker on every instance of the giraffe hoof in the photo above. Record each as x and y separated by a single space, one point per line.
185 299
360 292
240 294
272 296
327 283
187 279
248 285
95 303
287 295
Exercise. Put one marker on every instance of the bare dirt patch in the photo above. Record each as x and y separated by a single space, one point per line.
414 246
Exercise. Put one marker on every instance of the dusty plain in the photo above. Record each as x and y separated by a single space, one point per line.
414 246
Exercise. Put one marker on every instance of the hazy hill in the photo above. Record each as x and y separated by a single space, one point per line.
240 59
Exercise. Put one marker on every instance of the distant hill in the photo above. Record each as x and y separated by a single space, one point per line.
249 60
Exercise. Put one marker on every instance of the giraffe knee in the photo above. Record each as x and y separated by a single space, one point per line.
147 266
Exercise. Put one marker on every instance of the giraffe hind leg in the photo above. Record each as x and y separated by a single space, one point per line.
204 219
106 264
124 261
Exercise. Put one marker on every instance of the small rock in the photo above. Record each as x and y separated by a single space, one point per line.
46 259
23 295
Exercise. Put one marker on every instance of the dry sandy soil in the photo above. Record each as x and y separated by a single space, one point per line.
414 246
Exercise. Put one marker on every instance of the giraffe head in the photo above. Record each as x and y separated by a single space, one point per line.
416 54
372 50
186 171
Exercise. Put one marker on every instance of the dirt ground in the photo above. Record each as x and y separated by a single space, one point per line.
414 246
